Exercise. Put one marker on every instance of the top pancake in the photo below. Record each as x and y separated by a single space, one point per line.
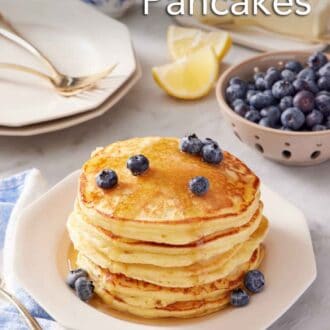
161 194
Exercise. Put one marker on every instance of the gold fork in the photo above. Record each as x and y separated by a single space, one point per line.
67 85
60 90
28 318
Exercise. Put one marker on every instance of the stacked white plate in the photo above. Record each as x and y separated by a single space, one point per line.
79 41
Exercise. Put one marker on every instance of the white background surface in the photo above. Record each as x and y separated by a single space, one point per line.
147 111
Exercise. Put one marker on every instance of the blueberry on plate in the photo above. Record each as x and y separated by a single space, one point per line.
234 92
138 164
324 83
199 185
282 88
253 115
294 66
74 275
307 74
254 281
239 298
107 179
293 118
192 144
210 141
235 81
319 128
325 70
317 60
286 102
288 75
314 118
323 103
211 153
305 101
84 288
251 93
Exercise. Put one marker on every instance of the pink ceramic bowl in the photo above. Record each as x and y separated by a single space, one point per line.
290 148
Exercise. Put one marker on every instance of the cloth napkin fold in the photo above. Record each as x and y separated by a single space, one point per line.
16 193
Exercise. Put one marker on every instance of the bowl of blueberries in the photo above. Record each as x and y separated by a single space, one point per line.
279 104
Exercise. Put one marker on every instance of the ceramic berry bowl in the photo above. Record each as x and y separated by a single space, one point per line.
303 142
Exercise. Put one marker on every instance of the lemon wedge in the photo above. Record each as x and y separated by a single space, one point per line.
184 41
190 77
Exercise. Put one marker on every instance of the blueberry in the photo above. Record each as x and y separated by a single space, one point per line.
270 69
192 144
234 92
314 118
327 122
305 101
308 85
307 74
258 75
324 83
325 70
239 298
253 115
261 84
294 66
199 185
241 109
265 122
74 275
210 141
272 113
251 93
282 88
237 102
271 78
317 60
319 128
235 81
293 118
286 102
211 153
107 179
323 103
138 164
269 93
288 75
251 86
254 281
260 101
84 288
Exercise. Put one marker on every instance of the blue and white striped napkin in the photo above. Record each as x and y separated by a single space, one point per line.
16 193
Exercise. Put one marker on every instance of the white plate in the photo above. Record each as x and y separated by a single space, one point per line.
79 40
255 38
39 263
63 123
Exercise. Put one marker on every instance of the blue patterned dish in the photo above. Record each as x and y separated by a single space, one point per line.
115 8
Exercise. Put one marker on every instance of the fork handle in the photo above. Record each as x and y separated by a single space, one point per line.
29 319
10 33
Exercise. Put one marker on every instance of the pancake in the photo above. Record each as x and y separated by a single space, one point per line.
157 206
159 254
144 294
154 249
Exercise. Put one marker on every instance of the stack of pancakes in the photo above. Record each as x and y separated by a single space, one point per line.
154 249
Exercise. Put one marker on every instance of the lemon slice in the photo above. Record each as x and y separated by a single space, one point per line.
189 77
184 41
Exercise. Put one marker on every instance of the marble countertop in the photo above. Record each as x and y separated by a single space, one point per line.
147 111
